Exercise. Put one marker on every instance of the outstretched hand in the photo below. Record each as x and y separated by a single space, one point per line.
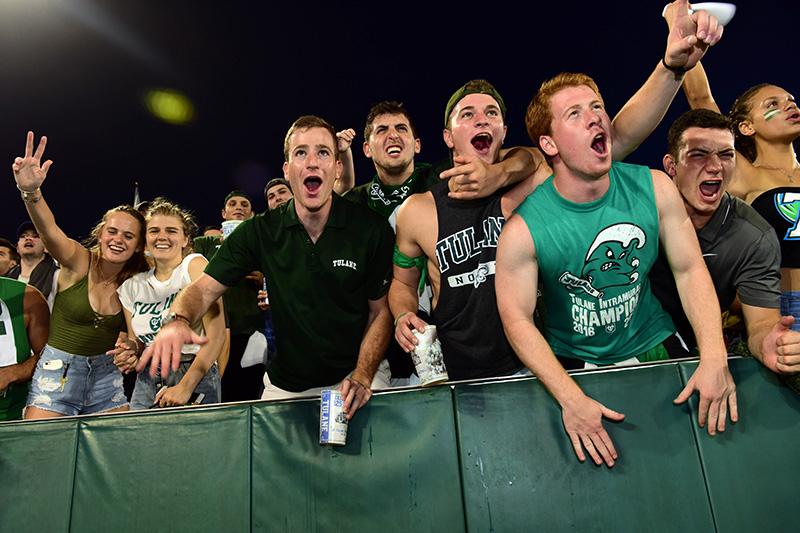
166 349
717 392
583 422
690 35
29 172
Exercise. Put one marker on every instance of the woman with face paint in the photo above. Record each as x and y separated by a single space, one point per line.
765 121
146 300
75 375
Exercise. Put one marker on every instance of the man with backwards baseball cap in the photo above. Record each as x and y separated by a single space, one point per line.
277 192
35 267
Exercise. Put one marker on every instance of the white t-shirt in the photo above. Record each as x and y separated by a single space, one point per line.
148 300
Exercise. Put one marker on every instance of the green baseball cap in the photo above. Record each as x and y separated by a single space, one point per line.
474 87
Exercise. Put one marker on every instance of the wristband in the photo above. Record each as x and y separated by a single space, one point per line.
678 71
396 320
172 317
30 197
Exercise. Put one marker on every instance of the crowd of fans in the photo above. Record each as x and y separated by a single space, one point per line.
529 260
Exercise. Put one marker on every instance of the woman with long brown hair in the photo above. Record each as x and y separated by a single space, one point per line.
74 374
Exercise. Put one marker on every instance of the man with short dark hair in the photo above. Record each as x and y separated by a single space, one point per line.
739 247
277 192
327 263
35 266
9 258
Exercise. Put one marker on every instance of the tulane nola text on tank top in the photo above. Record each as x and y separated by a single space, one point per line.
466 316
593 263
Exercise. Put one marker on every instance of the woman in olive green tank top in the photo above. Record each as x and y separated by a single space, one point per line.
75 375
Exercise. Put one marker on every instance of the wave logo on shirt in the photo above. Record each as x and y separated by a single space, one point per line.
788 205
610 261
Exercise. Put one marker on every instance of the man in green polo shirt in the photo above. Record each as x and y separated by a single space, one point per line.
24 326
327 262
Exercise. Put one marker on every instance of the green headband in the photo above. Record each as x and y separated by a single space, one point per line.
474 87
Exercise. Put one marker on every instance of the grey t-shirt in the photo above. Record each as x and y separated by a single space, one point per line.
743 257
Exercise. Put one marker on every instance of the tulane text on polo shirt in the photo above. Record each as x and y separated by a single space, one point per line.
318 292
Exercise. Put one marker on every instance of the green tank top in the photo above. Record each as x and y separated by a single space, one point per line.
14 345
74 326
593 261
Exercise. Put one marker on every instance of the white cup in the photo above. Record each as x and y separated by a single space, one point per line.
228 226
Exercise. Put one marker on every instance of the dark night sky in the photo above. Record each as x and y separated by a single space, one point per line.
76 70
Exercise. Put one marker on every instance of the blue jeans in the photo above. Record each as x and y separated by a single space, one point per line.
144 393
790 305
93 384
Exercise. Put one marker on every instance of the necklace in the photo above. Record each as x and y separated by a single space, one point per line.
105 281
788 174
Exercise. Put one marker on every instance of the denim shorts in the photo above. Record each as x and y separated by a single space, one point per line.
93 384
790 305
144 393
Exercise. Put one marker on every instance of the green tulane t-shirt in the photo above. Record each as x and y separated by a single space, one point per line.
319 292
593 264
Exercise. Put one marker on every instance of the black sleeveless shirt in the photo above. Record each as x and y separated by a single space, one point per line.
780 207
466 317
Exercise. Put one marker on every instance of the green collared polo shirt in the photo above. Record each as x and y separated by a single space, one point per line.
318 292
241 300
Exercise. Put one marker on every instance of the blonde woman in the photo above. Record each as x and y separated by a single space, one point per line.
146 299
75 375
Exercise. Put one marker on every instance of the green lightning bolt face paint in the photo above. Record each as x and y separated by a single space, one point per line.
769 115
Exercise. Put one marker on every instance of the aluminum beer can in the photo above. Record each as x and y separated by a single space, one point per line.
427 357
332 420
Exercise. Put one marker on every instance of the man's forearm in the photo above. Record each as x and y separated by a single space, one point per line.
701 306
644 111
192 302
403 298
373 346
21 372
517 164
536 354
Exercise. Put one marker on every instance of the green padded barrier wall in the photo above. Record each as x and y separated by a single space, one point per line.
37 467
520 473
398 472
753 469
164 471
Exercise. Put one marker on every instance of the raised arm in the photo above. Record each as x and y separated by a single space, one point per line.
712 379
29 174
695 82
348 178
516 281
189 306
689 38
214 326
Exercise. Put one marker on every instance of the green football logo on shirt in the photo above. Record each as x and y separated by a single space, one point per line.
610 261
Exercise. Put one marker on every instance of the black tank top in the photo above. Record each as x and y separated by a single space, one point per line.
780 207
466 317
